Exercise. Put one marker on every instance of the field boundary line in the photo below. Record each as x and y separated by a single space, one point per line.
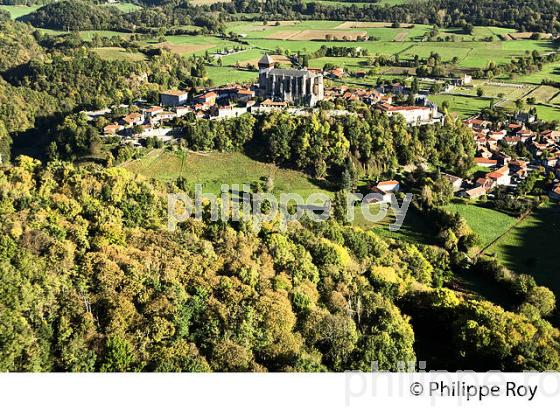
517 222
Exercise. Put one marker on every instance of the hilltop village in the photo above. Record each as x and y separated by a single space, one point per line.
296 90
302 91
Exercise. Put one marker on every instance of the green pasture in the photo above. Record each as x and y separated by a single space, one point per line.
214 169
19 11
532 247
464 106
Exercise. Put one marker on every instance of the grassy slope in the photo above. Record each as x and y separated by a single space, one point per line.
214 169
464 106
532 247
487 223
116 53
18 11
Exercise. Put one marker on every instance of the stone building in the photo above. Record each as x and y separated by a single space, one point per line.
298 87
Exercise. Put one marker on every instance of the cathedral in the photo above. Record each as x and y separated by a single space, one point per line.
298 87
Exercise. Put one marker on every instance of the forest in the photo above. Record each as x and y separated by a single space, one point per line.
92 281
534 15
321 145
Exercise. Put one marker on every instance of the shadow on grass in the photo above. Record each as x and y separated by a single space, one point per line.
255 151
533 247
415 229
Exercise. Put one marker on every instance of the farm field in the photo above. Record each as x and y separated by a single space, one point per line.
548 113
229 75
88 35
192 45
124 7
543 93
19 11
464 106
532 247
494 89
487 223
549 72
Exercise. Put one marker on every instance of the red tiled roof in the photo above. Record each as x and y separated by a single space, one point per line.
482 160
392 108
390 182
210 94
154 109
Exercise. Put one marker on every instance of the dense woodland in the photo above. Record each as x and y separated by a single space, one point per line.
524 15
320 145
92 280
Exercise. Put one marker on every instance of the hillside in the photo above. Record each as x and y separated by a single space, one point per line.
72 15
93 281
18 45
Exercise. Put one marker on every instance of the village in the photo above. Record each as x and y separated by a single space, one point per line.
278 89
503 170
301 91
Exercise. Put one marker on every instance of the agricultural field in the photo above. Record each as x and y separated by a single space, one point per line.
88 35
192 45
464 106
19 11
318 35
124 7
549 72
229 75
532 247
487 223
495 89
543 93
548 113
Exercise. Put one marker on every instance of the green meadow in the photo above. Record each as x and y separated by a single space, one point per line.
117 53
487 223
462 105
230 75
19 11
532 246
214 169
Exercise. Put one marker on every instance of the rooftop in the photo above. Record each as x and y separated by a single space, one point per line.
266 60
289 72
176 93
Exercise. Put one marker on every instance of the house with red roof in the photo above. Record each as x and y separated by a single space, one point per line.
485 162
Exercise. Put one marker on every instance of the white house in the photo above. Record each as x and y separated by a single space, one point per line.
388 186
414 115
456 182
500 176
